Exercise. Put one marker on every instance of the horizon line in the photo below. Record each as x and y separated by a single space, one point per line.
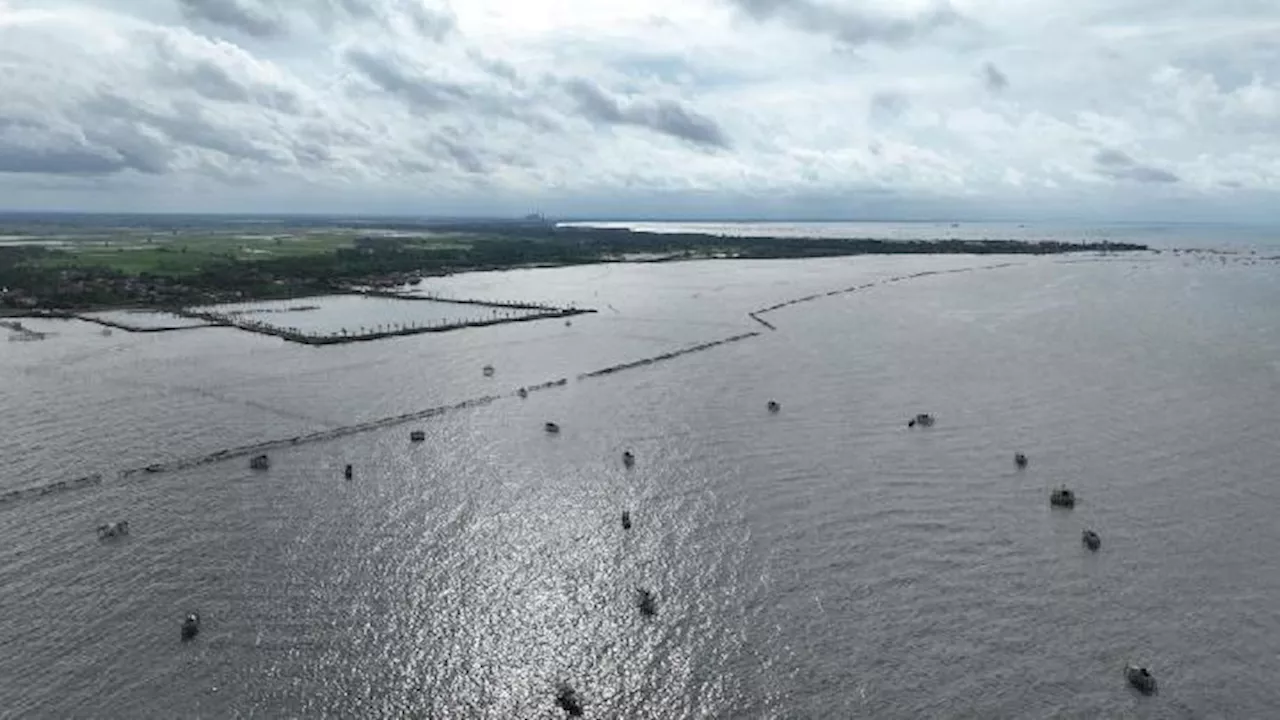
553 219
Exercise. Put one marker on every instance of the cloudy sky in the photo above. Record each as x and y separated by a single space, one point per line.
1137 109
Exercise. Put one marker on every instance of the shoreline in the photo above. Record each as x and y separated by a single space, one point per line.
332 433
570 247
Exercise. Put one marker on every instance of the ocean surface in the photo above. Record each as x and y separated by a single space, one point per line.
822 562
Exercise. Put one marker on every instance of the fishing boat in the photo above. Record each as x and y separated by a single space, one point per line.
1062 497
648 603
567 699
191 626
113 530
922 419
1140 678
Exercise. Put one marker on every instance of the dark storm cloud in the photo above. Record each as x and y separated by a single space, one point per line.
993 78
1118 165
423 92
661 116
243 15
849 26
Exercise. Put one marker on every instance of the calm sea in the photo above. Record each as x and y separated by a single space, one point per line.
822 562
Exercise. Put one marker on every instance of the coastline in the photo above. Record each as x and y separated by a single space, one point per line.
40 279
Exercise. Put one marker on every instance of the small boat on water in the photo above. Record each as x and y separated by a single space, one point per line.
648 603
348 472
773 406
1020 460
488 371
628 458
922 419
626 519
567 699
551 428
260 462
417 436
191 626
1091 540
113 530
1140 678
1062 497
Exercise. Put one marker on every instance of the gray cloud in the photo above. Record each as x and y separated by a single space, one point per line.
1118 165
662 116
457 151
424 92
268 18
887 106
137 148
27 146
217 82
60 161
185 125
243 15
431 24
479 100
383 101
993 78
434 24
847 25
496 67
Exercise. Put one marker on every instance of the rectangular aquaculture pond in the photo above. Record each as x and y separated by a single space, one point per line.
142 320
349 318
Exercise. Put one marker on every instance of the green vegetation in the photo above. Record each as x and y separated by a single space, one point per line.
205 262
184 255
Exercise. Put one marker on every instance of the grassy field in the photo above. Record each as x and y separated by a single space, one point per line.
181 254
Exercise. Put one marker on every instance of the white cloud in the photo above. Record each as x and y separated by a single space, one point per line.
970 106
